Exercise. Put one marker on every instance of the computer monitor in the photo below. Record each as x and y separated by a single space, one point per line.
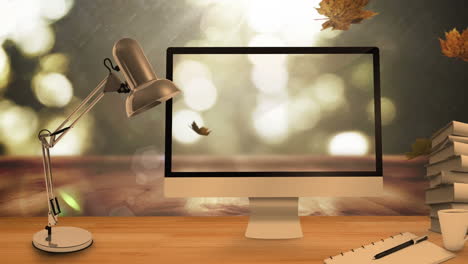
273 124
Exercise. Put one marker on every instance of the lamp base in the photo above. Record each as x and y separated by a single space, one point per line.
64 239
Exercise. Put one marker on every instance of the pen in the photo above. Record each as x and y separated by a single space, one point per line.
401 246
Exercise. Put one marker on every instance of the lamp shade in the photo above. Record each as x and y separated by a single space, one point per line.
146 90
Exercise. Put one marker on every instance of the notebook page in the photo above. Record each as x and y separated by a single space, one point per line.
361 255
422 253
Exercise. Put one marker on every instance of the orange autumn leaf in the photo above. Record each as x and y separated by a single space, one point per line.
202 131
455 44
342 13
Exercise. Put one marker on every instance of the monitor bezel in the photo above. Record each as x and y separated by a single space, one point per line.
171 51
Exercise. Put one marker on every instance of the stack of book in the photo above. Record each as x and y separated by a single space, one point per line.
447 171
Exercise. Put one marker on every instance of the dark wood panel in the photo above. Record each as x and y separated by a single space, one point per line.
125 186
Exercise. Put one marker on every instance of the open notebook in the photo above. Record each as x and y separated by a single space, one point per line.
421 253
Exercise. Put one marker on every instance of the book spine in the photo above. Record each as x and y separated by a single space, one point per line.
457 163
460 129
453 128
450 139
461 139
435 225
460 192
441 154
437 207
445 178
460 148
440 134
463 162
452 163
449 177
457 192
435 180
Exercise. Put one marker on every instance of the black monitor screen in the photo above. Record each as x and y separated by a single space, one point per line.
258 111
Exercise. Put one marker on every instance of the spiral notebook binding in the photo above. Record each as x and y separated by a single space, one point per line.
437 254
392 237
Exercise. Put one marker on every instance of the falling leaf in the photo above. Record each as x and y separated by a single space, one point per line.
343 13
203 131
455 44
421 147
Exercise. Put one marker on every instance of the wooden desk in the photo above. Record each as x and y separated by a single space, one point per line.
194 240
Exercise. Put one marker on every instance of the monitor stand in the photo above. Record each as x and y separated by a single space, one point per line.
274 218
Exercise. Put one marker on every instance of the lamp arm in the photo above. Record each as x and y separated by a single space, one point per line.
84 107
48 140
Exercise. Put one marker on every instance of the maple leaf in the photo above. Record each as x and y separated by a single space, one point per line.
203 131
455 44
342 13
421 147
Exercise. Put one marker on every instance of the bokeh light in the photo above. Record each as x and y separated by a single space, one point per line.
270 80
27 22
22 14
302 26
200 94
297 22
303 113
388 110
362 76
328 90
7 18
5 105
145 162
4 69
52 89
55 62
29 147
17 123
266 16
270 120
266 40
35 40
77 139
222 21
351 143
187 70
56 9
28 25
181 127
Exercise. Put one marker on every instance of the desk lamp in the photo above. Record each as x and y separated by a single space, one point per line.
145 91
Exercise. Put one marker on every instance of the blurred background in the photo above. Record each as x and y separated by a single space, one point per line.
51 57
280 108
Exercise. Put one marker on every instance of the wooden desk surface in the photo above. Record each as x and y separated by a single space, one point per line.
194 240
